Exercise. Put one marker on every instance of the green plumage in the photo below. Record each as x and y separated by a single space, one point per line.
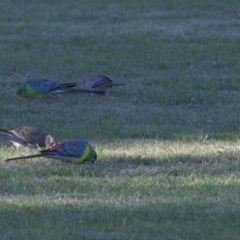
26 136
70 151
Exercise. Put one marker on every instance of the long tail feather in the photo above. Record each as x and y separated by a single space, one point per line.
3 132
64 85
118 84
24 157
73 84
80 90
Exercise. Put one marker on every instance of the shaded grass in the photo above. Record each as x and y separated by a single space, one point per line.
179 205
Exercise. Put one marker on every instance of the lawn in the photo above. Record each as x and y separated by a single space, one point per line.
167 142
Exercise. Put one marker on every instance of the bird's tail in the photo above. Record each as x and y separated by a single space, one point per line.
3 132
118 84
80 90
69 85
24 157
63 86
7 134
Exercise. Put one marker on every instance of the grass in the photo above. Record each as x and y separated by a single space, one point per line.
167 142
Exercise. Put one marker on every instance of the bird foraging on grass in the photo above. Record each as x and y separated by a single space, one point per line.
31 137
101 82
69 151
34 88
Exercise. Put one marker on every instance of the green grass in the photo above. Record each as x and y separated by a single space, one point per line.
167 142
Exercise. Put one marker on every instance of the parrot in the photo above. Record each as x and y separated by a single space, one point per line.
26 136
74 150
34 88
101 82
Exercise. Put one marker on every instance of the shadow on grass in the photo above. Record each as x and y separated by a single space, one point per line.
197 219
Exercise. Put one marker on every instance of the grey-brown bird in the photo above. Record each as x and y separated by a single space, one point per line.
101 82
30 137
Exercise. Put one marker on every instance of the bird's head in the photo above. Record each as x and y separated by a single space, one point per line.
92 157
20 89
50 141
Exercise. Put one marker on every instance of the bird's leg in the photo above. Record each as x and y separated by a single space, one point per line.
13 148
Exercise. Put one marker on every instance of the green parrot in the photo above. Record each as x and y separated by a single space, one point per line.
41 87
101 82
70 151
31 137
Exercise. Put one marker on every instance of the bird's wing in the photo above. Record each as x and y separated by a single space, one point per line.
40 86
76 147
